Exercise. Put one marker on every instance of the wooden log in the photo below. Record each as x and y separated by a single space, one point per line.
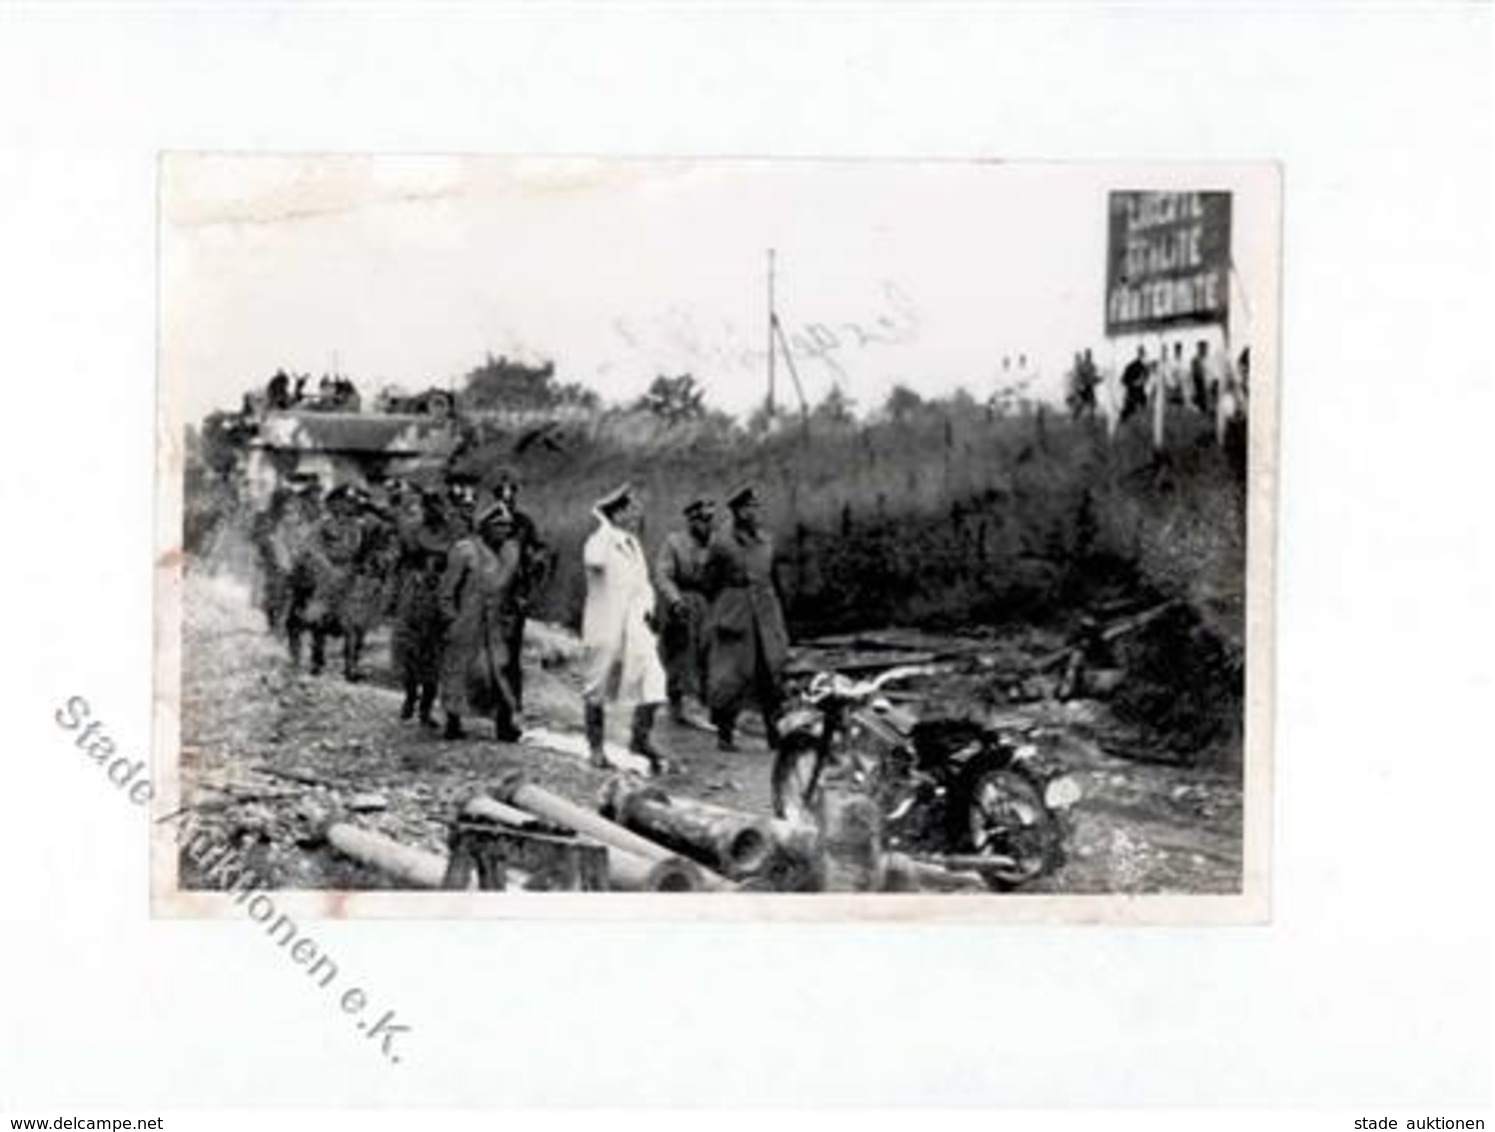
415 868
491 809
516 791
857 662
231 798
736 843
626 872
1121 628
300 776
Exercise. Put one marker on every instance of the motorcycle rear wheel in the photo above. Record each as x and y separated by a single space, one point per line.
1006 816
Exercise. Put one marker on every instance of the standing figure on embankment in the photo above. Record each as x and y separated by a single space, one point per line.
474 595
1134 379
617 630
680 574
748 640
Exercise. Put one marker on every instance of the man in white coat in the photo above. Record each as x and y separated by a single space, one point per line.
617 629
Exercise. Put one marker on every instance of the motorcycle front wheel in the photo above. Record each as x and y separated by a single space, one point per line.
1006 817
795 781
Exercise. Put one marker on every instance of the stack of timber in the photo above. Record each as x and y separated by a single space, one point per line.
627 870
522 836
516 791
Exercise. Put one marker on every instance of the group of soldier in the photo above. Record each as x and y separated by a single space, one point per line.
334 394
457 573
455 580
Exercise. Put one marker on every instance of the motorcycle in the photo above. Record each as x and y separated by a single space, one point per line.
951 791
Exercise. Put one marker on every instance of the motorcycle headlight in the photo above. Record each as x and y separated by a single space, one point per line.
1061 793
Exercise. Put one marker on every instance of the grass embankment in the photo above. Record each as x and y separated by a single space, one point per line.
950 519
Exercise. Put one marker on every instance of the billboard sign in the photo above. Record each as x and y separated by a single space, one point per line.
1168 261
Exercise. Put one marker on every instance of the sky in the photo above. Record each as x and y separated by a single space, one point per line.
409 270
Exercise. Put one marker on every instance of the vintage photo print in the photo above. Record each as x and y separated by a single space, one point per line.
715 538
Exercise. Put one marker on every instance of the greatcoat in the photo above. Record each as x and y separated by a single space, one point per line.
474 597
417 638
748 640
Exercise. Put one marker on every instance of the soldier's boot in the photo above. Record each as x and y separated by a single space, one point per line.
407 709
318 653
771 728
427 702
352 646
453 727
641 741
514 675
726 724
596 724
293 638
503 725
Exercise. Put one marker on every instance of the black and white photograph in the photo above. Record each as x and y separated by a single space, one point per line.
654 565
867 530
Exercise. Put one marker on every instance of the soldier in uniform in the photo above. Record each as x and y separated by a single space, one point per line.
679 574
371 589
474 597
462 498
274 579
748 640
534 568
425 538
331 551
293 538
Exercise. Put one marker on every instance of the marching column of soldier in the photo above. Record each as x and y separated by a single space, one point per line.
457 578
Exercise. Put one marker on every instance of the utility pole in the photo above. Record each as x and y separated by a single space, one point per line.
773 323
777 340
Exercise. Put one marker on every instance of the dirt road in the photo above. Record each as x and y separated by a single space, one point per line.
1141 828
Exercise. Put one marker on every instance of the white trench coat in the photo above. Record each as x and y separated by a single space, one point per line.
622 653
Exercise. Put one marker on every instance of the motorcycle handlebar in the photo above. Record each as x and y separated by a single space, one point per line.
834 686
